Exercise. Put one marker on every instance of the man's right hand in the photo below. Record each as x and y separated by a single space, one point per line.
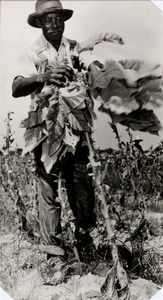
56 75
25 86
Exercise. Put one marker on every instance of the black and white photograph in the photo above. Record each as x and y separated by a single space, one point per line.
81 150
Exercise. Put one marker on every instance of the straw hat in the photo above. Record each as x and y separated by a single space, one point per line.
43 7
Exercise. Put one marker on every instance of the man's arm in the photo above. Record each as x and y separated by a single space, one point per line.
25 86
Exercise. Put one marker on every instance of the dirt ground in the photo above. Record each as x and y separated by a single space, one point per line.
27 275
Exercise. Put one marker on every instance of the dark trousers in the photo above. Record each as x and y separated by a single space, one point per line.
80 194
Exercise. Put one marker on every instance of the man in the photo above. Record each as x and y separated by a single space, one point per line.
43 66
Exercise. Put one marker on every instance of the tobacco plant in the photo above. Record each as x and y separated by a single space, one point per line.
132 184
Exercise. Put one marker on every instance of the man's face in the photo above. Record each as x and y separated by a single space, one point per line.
52 26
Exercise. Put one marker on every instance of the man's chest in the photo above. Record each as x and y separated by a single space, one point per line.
50 57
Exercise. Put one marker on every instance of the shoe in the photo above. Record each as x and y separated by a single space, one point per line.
52 270
56 263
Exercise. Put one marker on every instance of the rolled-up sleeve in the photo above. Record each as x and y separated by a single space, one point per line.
27 64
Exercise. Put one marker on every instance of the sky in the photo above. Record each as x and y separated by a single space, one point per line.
139 23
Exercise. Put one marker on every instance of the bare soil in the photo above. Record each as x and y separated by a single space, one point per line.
27 275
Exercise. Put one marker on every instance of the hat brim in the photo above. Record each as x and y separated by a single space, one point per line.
67 14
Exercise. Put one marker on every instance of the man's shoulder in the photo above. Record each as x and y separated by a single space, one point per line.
73 43
33 49
41 43
38 44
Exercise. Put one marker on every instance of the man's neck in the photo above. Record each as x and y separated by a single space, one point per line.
55 44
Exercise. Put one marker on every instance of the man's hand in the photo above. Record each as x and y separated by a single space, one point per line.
56 75
25 86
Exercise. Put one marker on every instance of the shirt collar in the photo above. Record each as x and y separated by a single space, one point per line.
47 45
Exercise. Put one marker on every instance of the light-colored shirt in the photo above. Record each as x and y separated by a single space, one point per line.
42 54
32 60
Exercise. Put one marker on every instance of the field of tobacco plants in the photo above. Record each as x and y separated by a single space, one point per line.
132 184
